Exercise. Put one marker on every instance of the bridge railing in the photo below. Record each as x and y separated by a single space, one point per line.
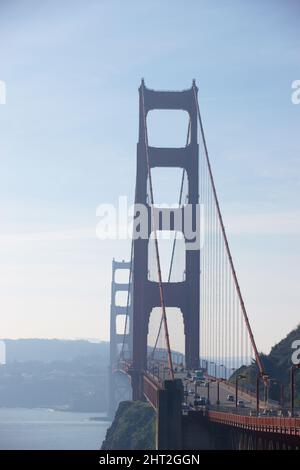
290 426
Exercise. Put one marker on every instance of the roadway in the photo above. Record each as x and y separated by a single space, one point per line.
225 389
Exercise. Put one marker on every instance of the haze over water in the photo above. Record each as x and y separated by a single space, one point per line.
43 429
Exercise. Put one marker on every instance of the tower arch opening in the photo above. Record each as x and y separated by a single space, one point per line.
156 343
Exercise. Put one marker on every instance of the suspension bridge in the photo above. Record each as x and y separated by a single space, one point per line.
197 405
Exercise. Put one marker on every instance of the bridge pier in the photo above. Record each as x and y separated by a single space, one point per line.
169 416
196 433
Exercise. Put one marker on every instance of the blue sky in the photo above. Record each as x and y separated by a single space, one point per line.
68 138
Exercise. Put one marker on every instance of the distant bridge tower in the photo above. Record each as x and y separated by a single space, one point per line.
184 295
119 387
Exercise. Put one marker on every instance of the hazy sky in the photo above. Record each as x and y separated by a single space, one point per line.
68 138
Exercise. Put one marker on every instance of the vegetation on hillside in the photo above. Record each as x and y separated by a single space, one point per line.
277 366
133 428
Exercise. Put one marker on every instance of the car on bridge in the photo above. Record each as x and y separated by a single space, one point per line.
241 404
202 401
198 377
230 398
185 408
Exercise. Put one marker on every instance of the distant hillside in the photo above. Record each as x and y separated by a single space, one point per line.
133 428
48 350
69 375
277 365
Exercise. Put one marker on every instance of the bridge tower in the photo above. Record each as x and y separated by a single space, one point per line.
119 388
184 295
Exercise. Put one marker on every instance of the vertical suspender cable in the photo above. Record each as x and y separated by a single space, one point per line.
246 319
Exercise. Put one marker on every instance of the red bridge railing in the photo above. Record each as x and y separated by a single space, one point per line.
276 425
